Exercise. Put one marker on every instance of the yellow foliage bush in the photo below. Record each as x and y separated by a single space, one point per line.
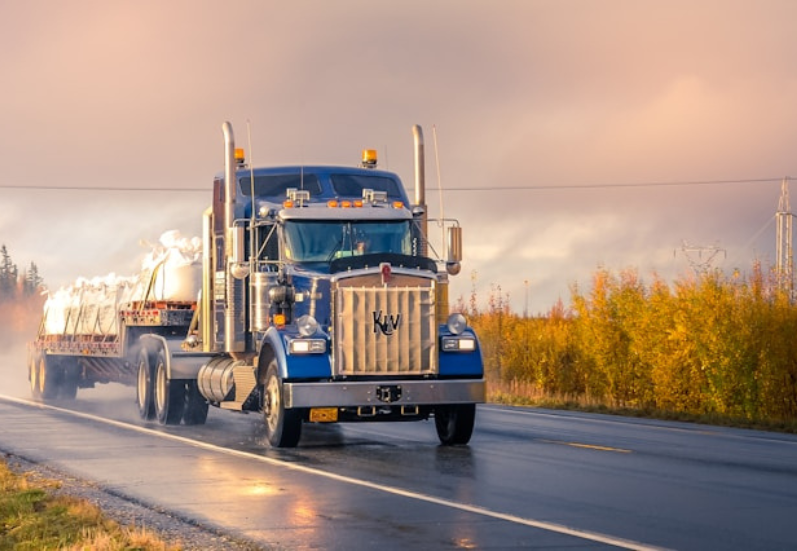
706 345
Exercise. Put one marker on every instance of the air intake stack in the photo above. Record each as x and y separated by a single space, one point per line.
235 271
420 189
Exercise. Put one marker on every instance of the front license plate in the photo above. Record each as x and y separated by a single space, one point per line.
323 415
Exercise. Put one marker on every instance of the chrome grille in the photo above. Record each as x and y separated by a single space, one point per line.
385 330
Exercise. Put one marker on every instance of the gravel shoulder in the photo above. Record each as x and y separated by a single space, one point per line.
172 528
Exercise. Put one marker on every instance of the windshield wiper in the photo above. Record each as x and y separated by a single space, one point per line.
338 246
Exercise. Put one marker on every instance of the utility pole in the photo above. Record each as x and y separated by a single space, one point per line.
700 257
784 249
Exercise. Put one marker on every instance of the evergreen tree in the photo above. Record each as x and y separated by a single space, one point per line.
8 275
31 281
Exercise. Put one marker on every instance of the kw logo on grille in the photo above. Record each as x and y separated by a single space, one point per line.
387 323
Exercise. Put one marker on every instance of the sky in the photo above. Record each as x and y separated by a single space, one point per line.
563 135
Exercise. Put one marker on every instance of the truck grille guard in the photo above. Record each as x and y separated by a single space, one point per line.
384 329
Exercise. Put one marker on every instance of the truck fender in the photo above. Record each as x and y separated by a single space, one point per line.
273 346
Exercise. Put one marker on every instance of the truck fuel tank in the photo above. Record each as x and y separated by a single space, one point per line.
215 378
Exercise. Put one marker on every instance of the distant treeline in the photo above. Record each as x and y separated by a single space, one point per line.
709 345
20 300
14 285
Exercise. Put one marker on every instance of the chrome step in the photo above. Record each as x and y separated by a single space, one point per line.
245 382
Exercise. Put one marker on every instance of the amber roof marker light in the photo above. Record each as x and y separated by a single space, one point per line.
369 158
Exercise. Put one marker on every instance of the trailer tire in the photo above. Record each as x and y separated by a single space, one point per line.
44 377
283 426
145 388
170 394
33 376
196 406
454 423
68 376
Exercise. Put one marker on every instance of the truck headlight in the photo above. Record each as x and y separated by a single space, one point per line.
307 325
456 323
307 346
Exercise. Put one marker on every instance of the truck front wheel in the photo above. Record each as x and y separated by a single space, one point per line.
283 426
454 423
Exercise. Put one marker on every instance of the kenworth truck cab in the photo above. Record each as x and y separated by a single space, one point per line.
319 303
325 305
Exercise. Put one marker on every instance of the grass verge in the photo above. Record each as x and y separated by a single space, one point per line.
34 517
521 394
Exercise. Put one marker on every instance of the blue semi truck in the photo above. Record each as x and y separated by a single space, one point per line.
320 302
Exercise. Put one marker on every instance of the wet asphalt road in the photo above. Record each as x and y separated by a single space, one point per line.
528 479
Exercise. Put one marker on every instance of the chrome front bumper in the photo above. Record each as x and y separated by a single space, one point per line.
380 393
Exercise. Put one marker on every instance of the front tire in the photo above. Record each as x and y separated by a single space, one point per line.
454 423
283 426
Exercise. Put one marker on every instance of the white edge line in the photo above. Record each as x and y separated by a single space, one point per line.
658 424
542 525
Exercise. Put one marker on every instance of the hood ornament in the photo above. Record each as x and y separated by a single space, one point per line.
387 272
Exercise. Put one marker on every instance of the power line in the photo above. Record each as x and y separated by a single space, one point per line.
103 188
549 187
609 185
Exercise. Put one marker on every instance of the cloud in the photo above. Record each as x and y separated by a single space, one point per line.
576 98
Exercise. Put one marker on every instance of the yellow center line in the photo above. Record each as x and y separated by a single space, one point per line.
587 446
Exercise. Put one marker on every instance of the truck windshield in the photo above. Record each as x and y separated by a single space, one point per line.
325 241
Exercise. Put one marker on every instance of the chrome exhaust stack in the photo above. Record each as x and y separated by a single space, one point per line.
235 309
230 189
419 209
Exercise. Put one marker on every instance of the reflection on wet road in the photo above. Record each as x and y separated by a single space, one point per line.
529 478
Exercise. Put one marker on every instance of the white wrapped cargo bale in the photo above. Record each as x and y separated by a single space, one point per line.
72 307
89 303
55 312
170 272
111 291
176 267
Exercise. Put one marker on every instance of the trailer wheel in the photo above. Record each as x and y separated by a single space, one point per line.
43 377
283 426
454 423
145 386
33 376
196 406
68 376
169 394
